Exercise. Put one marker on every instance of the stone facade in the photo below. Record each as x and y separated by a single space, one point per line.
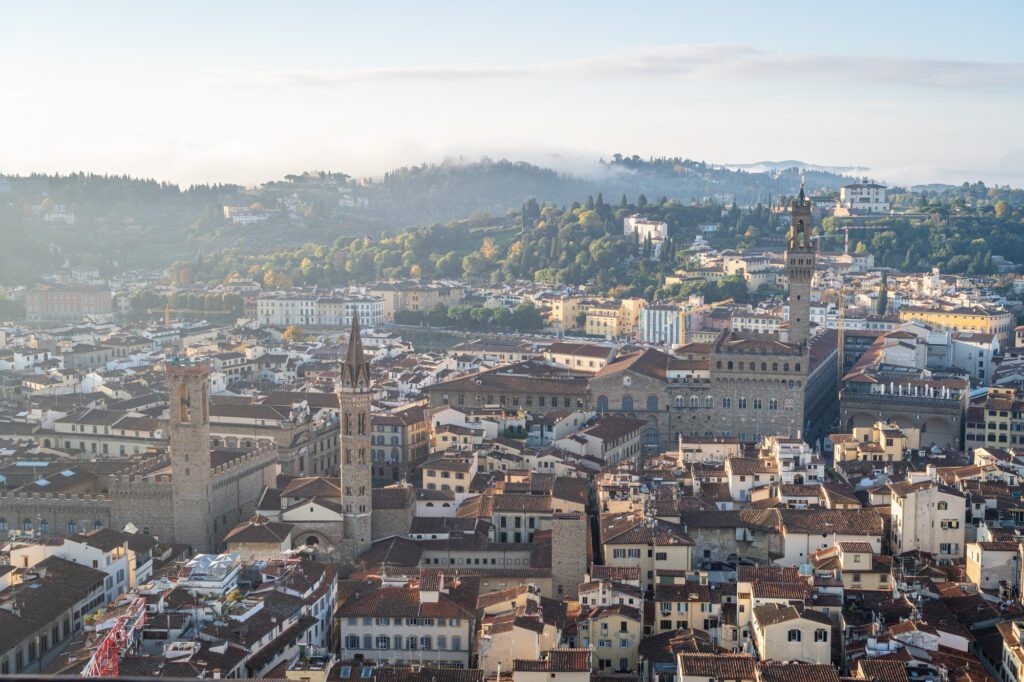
800 270
192 479
354 396
570 553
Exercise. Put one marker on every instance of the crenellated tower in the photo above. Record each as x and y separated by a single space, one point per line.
188 386
800 269
354 396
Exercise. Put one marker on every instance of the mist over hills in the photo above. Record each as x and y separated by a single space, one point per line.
122 222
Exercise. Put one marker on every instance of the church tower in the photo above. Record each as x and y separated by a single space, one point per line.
188 386
800 269
354 397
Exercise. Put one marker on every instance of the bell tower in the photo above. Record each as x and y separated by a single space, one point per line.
800 269
354 396
188 385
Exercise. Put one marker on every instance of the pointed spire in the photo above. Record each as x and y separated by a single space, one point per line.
803 197
355 372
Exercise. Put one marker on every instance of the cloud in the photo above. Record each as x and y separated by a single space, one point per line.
709 62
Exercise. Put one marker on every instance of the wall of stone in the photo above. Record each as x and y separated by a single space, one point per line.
57 510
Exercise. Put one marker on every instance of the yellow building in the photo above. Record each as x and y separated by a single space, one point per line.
630 540
564 310
976 319
880 442
613 632
857 565
603 320
629 315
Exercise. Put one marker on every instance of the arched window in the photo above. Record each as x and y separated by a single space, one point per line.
627 402
773 404
44 526
96 525
726 403
775 367
3 524
602 403
739 365
694 401
72 527
652 403
679 401
757 403
729 365
764 366
709 402
742 403
26 525
718 365
785 367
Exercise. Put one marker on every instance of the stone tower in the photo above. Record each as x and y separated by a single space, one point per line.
354 397
191 472
570 553
800 269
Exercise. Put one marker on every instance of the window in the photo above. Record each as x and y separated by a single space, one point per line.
821 635
709 402
456 643
726 403
602 403
627 403
352 642
426 643
652 403
383 642
742 404
942 505
793 635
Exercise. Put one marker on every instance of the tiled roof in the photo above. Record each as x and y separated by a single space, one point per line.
311 486
717 666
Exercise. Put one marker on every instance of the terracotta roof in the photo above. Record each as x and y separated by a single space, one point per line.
311 486
717 666
797 672
557 660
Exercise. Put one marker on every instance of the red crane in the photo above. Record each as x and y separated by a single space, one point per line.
127 626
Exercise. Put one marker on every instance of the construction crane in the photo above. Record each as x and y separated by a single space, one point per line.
841 333
122 635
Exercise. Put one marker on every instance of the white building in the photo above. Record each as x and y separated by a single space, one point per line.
644 228
662 324
927 517
313 310
864 197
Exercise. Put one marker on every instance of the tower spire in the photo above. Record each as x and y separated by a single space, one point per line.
355 372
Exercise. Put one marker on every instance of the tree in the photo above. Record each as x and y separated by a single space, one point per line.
416 272
1002 209
293 333
488 250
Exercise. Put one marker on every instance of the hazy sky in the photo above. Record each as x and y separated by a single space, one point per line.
248 91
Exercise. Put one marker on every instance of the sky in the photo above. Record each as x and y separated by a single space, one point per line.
245 92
